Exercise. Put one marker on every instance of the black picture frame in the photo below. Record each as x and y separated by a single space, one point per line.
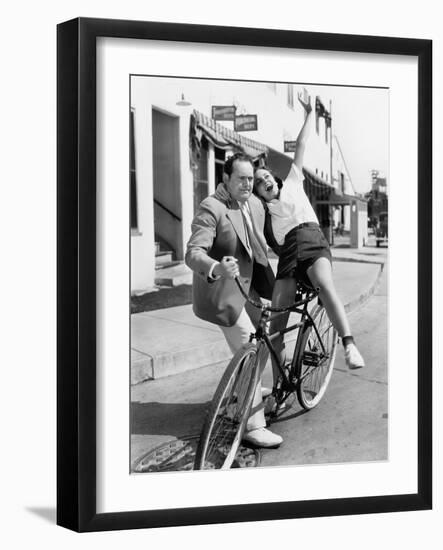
76 279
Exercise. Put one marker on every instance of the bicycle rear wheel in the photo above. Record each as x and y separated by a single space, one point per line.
314 362
226 420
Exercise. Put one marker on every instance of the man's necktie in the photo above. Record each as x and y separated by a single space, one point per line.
269 233
257 250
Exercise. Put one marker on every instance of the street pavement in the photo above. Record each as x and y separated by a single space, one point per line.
350 424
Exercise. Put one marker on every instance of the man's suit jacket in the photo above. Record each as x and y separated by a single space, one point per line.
218 230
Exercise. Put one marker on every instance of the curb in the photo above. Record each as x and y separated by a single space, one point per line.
357 261
146 367
354 304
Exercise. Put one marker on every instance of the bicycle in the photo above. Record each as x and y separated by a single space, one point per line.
307 374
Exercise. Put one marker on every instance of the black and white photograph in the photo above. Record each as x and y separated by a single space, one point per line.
158 161
244 287
259 247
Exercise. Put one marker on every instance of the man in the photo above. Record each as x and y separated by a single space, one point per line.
227 241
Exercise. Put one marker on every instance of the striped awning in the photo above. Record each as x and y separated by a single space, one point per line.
221 136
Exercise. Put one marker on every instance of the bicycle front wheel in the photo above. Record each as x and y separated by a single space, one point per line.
226 420
315 358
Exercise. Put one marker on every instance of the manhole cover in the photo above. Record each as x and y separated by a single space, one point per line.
179 454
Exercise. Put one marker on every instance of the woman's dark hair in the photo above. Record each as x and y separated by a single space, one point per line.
241 157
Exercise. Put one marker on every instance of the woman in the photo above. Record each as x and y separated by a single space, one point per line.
301 246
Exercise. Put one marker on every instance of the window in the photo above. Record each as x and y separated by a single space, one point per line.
291 96
201 175
133 176
219 163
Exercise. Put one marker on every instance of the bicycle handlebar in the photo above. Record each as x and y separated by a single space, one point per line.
274 309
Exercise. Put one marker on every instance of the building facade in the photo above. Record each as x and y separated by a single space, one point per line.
178 151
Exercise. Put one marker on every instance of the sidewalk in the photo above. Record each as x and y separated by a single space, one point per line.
172 341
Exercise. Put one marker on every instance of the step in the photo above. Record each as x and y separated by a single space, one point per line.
163 257
173 275
167 265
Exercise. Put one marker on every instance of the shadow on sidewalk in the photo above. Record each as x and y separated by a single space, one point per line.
174 419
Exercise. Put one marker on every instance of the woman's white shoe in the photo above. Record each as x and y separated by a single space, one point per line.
353 358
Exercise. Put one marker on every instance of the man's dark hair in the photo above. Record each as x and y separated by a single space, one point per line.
241 157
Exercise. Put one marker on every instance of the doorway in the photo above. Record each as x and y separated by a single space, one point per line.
167 183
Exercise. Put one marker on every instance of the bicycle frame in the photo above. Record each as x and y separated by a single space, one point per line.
262 332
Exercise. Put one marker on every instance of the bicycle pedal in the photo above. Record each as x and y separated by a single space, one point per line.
311 358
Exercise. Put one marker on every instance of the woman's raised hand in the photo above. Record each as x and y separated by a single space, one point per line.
305 104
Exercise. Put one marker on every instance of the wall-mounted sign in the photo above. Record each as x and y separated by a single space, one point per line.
290 146
245 123
223 112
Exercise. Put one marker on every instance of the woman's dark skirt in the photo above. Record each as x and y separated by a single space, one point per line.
302 247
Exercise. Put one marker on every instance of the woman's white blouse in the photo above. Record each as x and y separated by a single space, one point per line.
292 207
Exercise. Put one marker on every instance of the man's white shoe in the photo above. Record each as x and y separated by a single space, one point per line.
261 437
353 358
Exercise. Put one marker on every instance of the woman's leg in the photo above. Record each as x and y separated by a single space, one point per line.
320 275
283 295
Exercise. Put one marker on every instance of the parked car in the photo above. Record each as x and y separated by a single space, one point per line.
381 232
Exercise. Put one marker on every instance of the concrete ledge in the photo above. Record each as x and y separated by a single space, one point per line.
166 364
364 296
142 367
176 275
